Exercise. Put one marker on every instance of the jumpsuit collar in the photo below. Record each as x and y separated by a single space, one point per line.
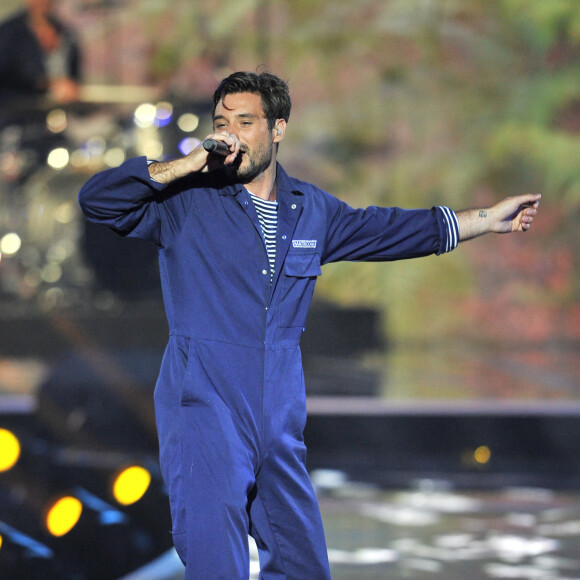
290 202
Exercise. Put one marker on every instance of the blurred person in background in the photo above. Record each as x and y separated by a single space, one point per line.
39 57
241 244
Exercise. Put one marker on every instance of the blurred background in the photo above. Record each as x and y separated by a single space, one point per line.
458 372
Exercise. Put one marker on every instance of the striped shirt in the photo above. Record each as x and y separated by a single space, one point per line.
268 217
450 220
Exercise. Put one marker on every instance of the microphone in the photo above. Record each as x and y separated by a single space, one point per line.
218 147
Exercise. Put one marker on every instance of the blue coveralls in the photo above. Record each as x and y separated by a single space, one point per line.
230 399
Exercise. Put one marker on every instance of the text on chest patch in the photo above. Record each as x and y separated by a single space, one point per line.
304 243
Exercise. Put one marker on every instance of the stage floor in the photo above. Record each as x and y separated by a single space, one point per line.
434 531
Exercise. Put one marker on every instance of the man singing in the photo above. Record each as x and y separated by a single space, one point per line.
241 244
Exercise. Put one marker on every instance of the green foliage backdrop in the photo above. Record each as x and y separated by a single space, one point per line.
415 103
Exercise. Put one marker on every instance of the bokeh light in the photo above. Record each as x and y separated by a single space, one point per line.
131 484
58 158
56 121
163 114
9 450
63 515
188 122
188 144
10 244
482 455
145 115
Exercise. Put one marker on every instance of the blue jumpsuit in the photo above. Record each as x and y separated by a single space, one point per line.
230 399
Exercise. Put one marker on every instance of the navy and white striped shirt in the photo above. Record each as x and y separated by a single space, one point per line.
268 217
450 220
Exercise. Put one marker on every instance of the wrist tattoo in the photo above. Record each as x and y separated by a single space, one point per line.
482 213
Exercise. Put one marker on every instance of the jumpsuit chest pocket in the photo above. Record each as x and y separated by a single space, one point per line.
300 273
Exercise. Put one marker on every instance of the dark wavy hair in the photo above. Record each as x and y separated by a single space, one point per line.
273 90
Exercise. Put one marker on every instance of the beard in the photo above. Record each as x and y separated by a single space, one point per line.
251 163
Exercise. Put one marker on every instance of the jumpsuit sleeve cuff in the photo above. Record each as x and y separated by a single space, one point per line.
449 229
157 185
150 162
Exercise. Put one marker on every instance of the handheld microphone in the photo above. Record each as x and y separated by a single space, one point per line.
213 146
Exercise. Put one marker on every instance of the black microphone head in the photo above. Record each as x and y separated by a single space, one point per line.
213 146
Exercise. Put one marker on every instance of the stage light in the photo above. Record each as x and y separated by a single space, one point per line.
145 115
58 158
188 122
114 157
482 454
131 484
10 243
152 148
188 144
79 158
56 121
51 273
163 114
63 515
9 450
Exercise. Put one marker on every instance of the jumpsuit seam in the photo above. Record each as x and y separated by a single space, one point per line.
196 338
275 536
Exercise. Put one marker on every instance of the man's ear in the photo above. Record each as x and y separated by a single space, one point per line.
279 130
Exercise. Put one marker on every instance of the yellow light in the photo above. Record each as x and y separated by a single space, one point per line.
131 484
188 122
56 120
145 115
10 244
482 454
0 541
63 516
51 273
152 149
58 158
9 450
114 157
65 213
79 158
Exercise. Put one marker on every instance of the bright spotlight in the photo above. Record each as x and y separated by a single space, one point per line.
9 450
482 455
56 120
114 157
188 122
131 484
145 115
63 515
58 158
10 244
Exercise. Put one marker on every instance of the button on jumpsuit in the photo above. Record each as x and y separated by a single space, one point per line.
230 398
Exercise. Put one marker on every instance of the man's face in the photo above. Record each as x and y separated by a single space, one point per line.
241 114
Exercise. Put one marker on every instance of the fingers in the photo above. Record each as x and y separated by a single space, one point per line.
529 198
213 160
231 141
528 211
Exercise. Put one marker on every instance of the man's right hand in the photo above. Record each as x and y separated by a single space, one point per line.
198 161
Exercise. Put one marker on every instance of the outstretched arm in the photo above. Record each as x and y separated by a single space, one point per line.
513 214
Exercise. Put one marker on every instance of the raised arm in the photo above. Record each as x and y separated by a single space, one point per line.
513 214
199 160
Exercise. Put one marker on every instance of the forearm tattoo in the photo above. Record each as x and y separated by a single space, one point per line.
482 213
